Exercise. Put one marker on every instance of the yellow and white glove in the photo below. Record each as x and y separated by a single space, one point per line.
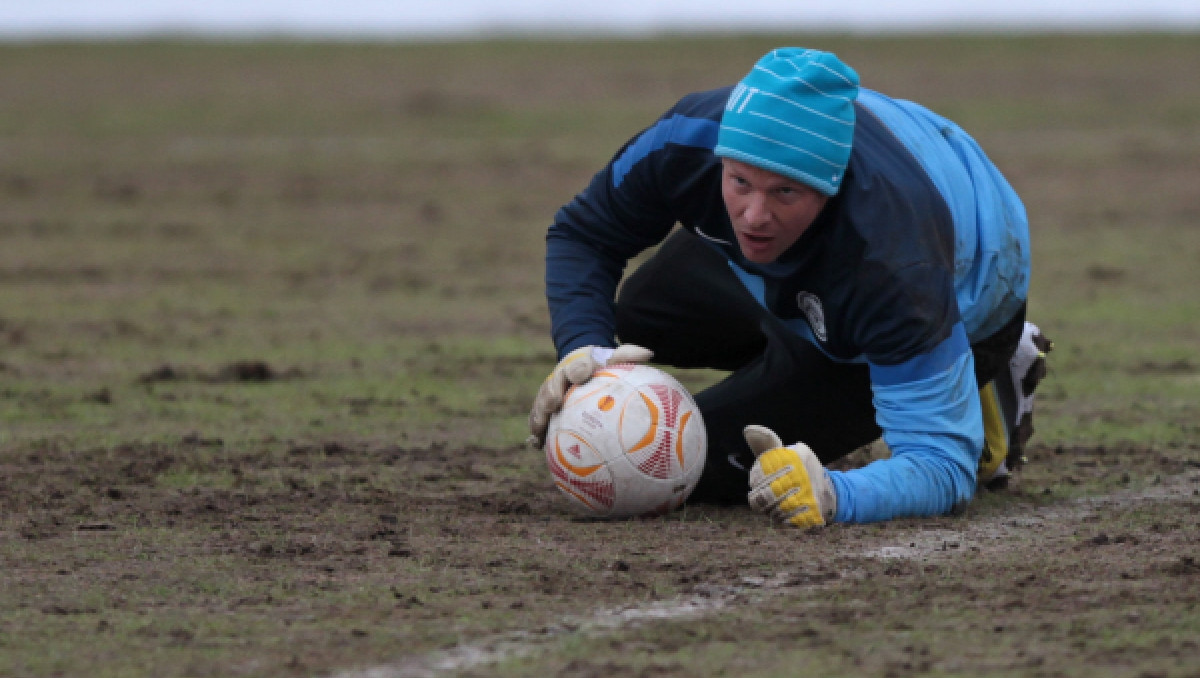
577 367
788 482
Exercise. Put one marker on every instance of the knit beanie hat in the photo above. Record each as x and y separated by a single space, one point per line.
793 114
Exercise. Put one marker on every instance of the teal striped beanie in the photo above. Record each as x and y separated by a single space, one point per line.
793 114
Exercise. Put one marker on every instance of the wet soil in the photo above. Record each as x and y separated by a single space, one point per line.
472 560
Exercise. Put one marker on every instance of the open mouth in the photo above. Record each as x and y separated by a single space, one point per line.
756 247
755 241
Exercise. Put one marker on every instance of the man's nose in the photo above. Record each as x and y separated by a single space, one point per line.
756 212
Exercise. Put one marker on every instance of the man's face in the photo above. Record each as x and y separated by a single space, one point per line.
769 211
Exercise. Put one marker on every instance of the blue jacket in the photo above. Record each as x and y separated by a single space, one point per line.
924 250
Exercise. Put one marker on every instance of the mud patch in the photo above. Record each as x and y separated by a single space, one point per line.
1181 366
238 371
525 643
932 559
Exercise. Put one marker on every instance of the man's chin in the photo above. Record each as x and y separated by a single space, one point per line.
757 255
756 252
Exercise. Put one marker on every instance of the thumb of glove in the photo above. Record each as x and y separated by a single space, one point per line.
629 353
577 372
761 439
580 370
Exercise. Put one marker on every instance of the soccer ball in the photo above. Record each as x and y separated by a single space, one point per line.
629 442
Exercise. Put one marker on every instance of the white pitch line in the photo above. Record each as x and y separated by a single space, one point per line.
523 643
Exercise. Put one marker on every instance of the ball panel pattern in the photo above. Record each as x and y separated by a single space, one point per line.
589 483
629 442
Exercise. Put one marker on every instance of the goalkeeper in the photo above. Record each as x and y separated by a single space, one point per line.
855 262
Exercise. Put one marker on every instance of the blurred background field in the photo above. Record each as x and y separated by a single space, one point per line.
271 318
351 212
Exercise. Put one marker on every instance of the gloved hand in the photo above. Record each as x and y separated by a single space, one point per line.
788 482
576 368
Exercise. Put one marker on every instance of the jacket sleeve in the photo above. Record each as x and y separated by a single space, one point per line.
928 408
624 210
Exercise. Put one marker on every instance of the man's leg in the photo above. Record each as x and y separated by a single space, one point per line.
794 390
1009 365
991 361
993 353
688 306
1015 387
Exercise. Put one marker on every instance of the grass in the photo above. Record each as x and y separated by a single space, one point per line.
271 318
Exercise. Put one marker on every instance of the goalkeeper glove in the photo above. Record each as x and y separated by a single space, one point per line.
788 482
576 368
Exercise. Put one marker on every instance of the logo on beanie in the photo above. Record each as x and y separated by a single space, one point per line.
810 306
740 97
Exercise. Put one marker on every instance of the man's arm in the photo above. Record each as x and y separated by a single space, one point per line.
580 284
929 411
625 209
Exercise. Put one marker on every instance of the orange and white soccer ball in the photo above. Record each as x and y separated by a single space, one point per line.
629 442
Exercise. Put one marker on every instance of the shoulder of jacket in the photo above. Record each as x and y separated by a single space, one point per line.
708 104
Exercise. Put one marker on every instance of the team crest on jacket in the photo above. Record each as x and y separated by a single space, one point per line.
810 306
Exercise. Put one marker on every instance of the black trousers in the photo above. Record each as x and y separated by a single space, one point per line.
686 304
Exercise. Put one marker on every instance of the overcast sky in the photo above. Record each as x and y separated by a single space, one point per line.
431 18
